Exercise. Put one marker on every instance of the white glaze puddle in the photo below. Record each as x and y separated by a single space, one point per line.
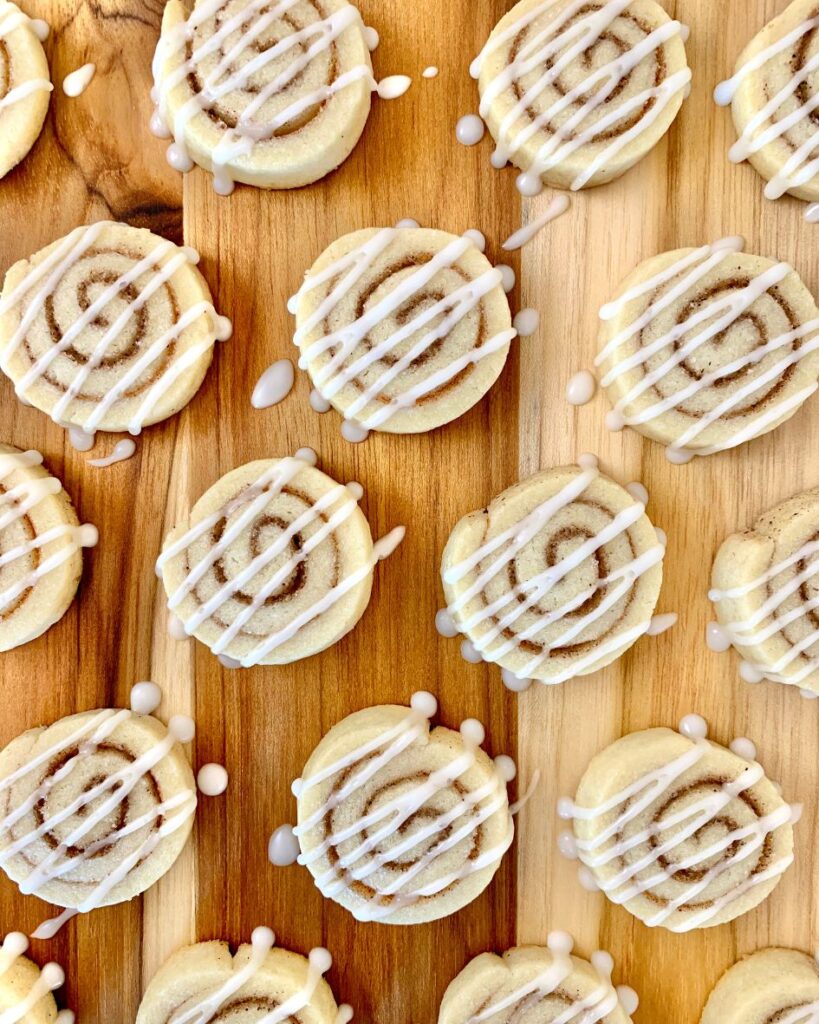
212 779
145 698
469 130
123 450
581 388
51 977
75 83
274 385
283 848
556 208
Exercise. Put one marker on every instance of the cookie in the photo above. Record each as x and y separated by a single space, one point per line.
771 985
25 84
25 990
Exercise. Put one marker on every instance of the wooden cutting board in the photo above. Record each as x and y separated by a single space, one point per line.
97 159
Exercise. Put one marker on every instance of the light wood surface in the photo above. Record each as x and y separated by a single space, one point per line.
96 159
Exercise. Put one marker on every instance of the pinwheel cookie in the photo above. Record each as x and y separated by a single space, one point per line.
772 986
25 990
25 84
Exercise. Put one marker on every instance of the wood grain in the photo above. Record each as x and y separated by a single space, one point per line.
96 159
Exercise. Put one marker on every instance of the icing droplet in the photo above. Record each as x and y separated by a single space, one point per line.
473 732
615 421
508 279
212 779
588 461
560 943
565 808
581 388
526 322
587 879
694 727
75 83
176 627
393 86
743 747
424 703
123 450
662 537
750 673
679 456
145 698
717 638
354 432
15 944
513 682
556 208
407 222
430 72
40 28
629 999
602 962
529 185
638 492
477 238
262 939
307 455
80 440
812 214
808 694
320 959
274 385
660 623
318 402
371 38
470 654
182 728
445 624
227 662
469 130
506 767
355 489
567 844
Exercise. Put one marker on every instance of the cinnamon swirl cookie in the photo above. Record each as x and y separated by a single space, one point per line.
766 594
546 985
774 96
274 564
556 578
707 348
110 328
274 94
683 832
772 986
94 808
41 542
207 982
25 84
399 822
576 93
402 329
25 990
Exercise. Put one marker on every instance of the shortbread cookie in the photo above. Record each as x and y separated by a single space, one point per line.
25 85
683 832
25 990
774 95
94 808
110 328
274 564
766 593
399 822
575 94
274 95
557 577
544 985
402 329
41 542
207 982
772 986
707 348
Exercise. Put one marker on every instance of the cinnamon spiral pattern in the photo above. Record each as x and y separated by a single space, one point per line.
680 830
399 822
766 594
544 985
25 84
772 986
273 93
556 578
575 92
94 808
25 990
206 982
708 348
774 96
402 329
275 563
41 544
110 328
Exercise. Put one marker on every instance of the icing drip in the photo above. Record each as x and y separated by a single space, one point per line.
603 1000
334 375
795 664
735 845
44 279
812 214
318 402
718 315
661 623
91 807
401 822
507 609
406 222
123 450
252 501
145 698
561 43
508 279
15 503
212 779
430 72
774 120
556 208
51 978
526 322
78 81
274 385
393 86
79 440
469 130
283 847
581 388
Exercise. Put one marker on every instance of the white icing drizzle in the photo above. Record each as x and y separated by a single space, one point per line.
212 779
603 1000
581 388
469 130
51 977
795 664
334 375
244 29
718 314
462 820
560 44
556 208
430 72
105 796
508 608
274 385
16 503
75 83
676 828
12 18
252 501
46 276
766 125
123 450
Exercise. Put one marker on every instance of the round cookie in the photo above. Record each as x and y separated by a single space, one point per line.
681 831
765 584
270 95
574 96
41 544
707 348
402 329
556 578
25 85
771 986
25 990
400 822
110 328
